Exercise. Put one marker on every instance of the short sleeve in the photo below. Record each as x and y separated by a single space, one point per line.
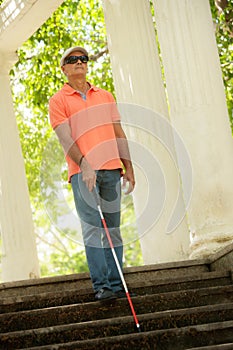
57 114
114 110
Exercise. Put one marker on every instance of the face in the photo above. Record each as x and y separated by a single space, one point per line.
78 69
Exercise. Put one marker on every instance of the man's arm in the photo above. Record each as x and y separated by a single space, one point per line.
71 149
124 153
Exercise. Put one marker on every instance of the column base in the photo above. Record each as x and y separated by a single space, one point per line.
20 266
203 245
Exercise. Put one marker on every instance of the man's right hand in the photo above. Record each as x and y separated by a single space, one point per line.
88 174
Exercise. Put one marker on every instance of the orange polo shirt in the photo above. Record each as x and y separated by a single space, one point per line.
91 122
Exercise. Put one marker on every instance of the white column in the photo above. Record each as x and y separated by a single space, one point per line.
19 256
142 102
199 112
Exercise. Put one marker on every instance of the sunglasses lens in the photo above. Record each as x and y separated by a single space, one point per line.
74 59
84 59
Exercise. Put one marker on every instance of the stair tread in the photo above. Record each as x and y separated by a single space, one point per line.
52 299
172 334
182 304
48 300
202 291
158 296
123 320
228 346
170 270
149 282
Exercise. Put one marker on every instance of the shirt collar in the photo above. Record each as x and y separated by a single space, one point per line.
70 91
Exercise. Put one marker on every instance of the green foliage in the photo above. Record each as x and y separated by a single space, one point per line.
223 20
64 261
132 249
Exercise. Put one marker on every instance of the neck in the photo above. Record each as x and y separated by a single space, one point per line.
80 85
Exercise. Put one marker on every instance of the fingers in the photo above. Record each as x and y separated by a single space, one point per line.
88 175
90 182
128 182
124 184
129 188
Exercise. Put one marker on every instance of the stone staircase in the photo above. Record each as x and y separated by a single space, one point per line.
183 305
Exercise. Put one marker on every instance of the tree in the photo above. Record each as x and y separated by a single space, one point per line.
222 12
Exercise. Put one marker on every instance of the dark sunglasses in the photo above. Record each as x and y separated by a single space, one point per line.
75 59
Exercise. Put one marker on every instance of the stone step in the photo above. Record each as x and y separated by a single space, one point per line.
117 326
83 312
82 281
169 339
180 306
228 346
150 286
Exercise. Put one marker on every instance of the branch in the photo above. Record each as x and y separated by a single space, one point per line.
221 4
226 64
54 245
99 54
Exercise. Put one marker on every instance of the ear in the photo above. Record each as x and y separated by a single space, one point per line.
63 69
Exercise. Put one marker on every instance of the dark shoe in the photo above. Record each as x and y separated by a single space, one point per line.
121 294
105 294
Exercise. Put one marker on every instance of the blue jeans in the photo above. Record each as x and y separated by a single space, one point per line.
101 263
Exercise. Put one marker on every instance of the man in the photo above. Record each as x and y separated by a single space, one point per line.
87 123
